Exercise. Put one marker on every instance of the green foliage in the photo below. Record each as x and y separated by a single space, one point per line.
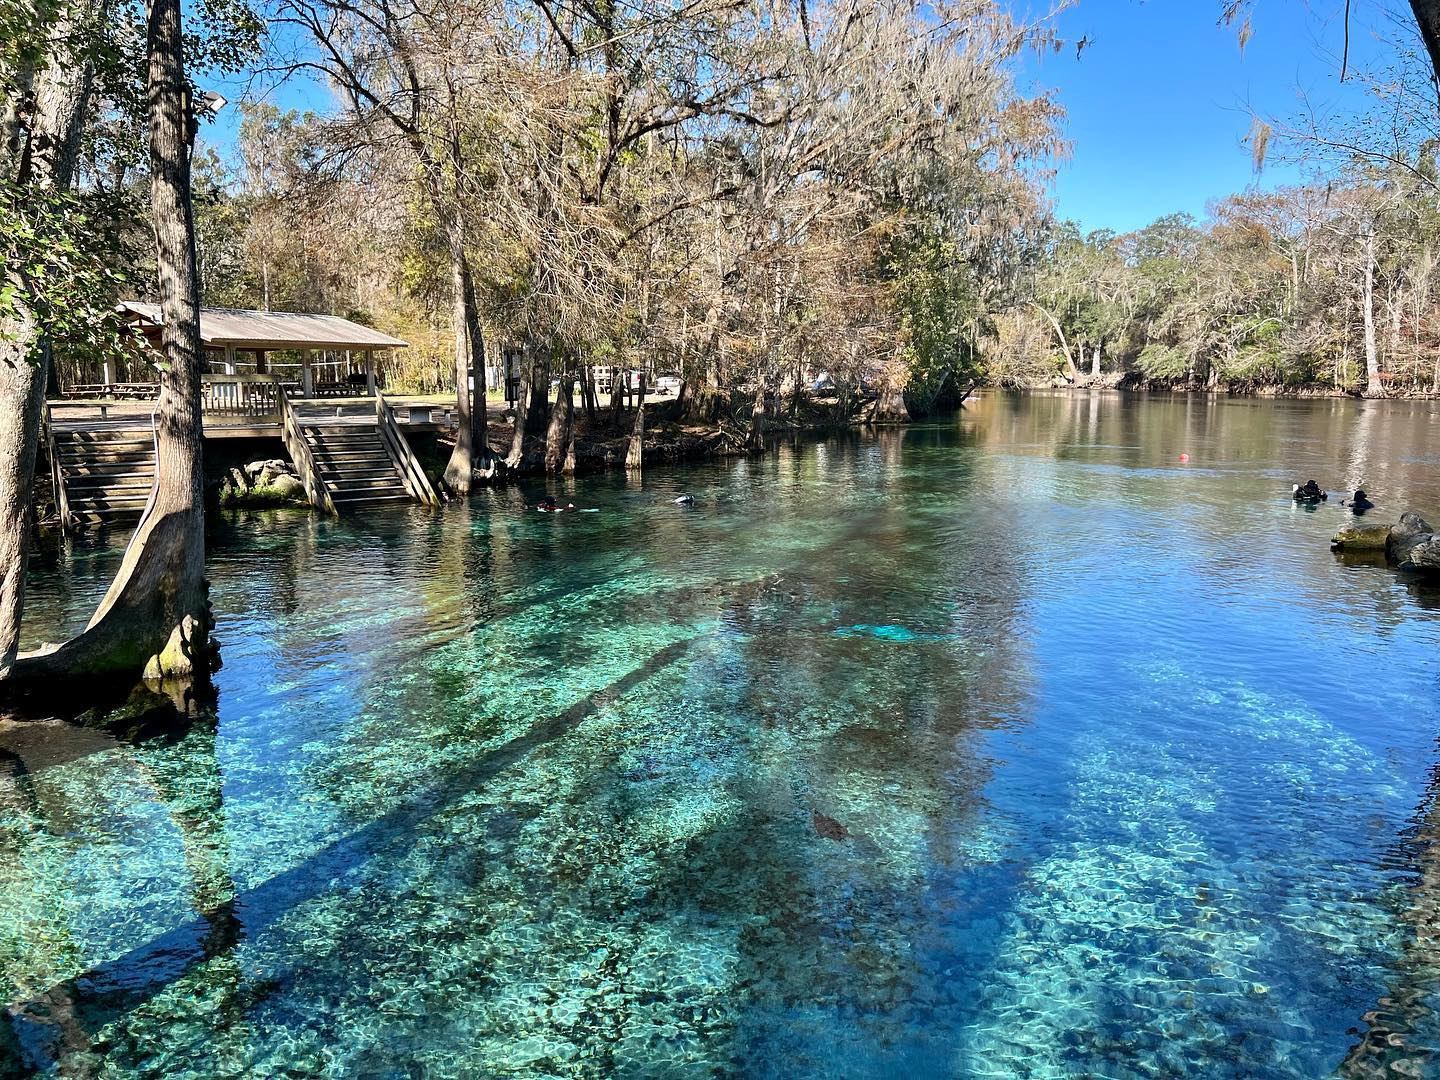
939 306
1159 361
62 252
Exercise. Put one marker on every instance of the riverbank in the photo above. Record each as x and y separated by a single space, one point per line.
669 438
1135 382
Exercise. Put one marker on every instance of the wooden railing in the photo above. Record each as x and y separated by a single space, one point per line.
115 391
57 478
236 399
300 453
413 476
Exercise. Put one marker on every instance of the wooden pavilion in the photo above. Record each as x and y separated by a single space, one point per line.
227 333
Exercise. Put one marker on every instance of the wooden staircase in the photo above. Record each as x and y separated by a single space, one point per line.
347 464
101 475
354 464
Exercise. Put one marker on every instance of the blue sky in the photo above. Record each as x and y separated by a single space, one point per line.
1159 105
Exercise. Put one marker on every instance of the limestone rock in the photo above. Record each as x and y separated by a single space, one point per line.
1361 538
256 470
288 486
1410 531
1424 555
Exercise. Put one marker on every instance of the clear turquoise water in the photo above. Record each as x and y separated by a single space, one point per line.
1007 747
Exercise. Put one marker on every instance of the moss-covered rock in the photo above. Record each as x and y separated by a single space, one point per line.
1361 538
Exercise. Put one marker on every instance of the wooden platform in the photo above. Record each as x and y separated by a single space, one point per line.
350 453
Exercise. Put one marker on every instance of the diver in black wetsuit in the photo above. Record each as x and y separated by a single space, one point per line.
1309 492
1359 504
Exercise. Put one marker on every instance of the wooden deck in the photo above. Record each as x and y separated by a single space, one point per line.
349 453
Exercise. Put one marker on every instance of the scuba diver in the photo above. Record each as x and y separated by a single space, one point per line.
1359 504
1309 492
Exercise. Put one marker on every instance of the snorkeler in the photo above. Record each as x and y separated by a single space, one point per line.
685 500
547 505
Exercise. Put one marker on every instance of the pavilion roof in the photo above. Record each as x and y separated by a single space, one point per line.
242 329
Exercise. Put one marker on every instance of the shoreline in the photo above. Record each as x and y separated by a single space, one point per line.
1130 383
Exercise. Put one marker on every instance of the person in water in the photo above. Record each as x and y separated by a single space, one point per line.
1359 504
1309 492
685 500
547 505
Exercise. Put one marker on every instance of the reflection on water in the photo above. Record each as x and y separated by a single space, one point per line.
1005 747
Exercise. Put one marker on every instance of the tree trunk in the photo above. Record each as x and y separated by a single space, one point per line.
155 618
587 391
568 465
1427 17
635 450
559 434
890 408
39 150
1095 363
517 439
617 394
1072 373
755 440
472 446
22 399
532 411
1373 386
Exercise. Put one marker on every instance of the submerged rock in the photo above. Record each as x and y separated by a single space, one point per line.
827 826
1361 538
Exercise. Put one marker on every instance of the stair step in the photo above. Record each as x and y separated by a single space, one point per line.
103 449
85 453
371 468
88 438
357 500
108 468
115 506
390 477
87 490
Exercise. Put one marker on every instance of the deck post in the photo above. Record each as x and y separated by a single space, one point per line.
369 372
261 366
307 377
105 373
229 359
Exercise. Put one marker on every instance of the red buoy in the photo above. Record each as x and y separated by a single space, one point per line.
1184 457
